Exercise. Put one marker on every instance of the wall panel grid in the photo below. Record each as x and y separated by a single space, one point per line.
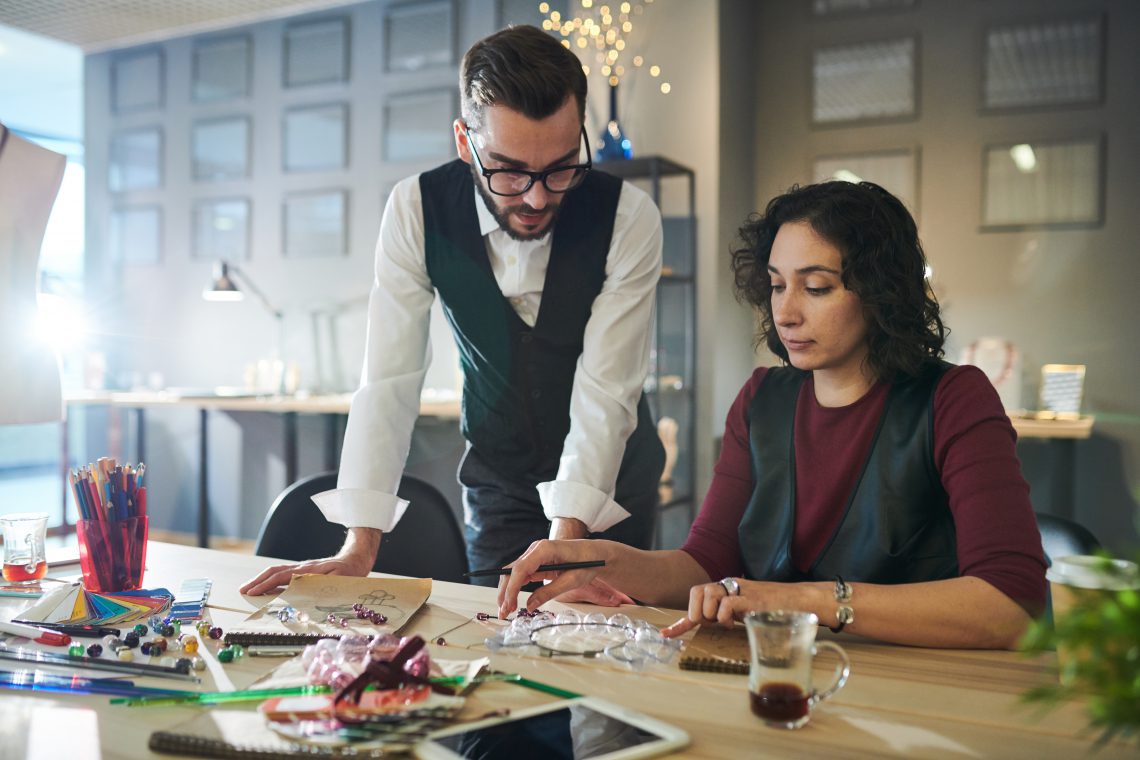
275 145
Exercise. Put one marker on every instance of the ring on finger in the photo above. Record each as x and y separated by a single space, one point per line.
731 586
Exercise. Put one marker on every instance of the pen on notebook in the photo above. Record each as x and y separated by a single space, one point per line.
39 635
541 568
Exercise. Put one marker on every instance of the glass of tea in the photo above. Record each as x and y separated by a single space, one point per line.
779 677
24 559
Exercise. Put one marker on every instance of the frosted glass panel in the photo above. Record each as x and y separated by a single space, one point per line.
1043 183
136 81
418 126
316 137
136 235
136 160
221 149
316 52
316 224
419 36
868 81
895 171
1043 64
221 229
829 7
221 69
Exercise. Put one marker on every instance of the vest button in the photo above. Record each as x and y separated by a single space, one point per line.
536 393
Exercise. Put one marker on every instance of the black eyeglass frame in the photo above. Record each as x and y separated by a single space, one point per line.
533 176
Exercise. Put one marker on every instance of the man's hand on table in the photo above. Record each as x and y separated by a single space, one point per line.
356 558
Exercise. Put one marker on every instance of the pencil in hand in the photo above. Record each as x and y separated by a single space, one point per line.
541 568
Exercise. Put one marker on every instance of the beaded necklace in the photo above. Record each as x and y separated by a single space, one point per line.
1007 361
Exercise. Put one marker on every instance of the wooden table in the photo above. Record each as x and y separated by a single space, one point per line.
900 702
332 406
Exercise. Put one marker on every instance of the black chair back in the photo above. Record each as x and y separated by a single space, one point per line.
1061 537
426 543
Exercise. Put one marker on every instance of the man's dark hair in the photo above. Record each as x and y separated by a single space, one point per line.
522 68
883 264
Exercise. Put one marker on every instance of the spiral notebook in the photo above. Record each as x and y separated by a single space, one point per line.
241 734
718 650
319 596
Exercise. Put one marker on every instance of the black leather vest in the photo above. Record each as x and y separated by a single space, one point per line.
896 526
517 380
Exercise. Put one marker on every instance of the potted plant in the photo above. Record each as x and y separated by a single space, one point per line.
1097 637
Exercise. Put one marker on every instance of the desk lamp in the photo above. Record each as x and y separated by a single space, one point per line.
224 288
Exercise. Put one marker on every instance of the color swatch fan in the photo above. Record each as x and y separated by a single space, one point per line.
74 605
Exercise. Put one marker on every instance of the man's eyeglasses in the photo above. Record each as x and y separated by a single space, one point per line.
558 179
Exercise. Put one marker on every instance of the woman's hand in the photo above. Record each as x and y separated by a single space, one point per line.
711 603
585 583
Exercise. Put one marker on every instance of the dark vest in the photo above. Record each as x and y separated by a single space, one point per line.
896 526
517 380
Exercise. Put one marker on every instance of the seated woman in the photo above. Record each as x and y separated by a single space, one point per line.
868 482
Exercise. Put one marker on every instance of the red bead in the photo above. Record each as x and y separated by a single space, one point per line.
215 633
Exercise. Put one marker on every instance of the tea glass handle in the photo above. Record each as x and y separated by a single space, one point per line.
842 671
33 560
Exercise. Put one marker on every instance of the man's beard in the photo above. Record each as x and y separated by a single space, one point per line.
503 216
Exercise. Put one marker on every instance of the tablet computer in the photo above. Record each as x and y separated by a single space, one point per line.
574 729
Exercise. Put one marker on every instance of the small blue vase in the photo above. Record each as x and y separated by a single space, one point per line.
615 145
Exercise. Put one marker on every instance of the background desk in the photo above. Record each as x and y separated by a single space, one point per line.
900 701
333 407
1062 437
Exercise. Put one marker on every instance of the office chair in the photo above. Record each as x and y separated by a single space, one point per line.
1061 537
426 543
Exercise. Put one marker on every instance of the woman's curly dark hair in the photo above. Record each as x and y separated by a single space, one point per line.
883 264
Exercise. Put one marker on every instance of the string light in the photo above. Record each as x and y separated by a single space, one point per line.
608 27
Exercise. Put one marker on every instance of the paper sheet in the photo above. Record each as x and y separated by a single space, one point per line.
320 595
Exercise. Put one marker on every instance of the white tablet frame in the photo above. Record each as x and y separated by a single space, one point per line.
670 738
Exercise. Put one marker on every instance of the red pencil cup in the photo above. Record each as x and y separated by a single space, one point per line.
112 553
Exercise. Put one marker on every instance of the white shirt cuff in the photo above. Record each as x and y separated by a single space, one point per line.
359 508
564 498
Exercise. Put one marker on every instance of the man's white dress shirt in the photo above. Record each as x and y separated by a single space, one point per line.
607 381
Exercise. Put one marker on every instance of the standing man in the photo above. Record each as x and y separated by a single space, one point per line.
547 271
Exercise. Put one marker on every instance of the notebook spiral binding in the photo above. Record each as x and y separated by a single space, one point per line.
714 665
197 746
278 639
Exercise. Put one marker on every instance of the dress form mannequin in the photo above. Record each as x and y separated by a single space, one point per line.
29 371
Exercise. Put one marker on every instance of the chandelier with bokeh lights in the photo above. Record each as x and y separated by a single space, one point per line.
605 29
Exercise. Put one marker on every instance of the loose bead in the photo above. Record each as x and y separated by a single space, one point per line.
76 650
184 664
168 620
141 630
95 650
177 626
225 655
197 663
158 645
441 641
191 646
238 650
203 628
131 639
167 630
482 616
146 648
126 655
215 633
